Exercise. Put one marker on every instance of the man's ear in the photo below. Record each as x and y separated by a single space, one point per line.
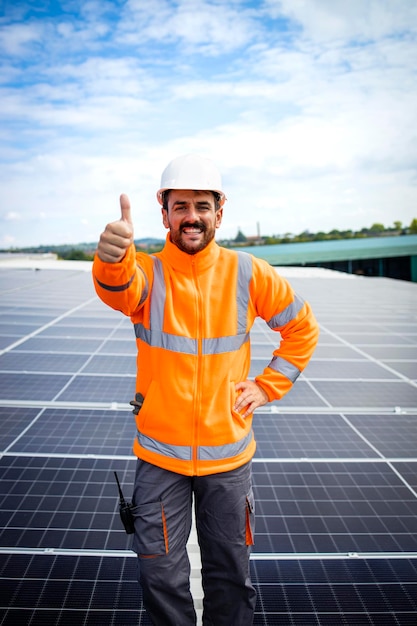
165 218
219 217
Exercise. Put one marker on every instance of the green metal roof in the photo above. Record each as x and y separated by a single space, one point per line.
336 250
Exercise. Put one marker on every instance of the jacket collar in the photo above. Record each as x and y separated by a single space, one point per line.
183 262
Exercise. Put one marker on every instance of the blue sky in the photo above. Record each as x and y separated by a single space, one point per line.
308 107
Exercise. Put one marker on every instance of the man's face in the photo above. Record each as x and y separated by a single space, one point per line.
192 219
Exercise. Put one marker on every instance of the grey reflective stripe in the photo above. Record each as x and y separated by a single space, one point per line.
285 368
159 339
185 345
142 333
183 453
288 314
204 453
116 287
226 451
158 296
220 345
145 290
244 276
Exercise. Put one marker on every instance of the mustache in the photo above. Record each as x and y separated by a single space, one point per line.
199 225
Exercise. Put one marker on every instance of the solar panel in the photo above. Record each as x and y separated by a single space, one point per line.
333 507
70 590
393 435
301 436
112 364
336 592
42 362
62 503
29 386
368 394
334 471
78 431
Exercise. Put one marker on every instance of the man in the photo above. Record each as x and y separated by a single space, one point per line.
192 306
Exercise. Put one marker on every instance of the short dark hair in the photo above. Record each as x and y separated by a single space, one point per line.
216 195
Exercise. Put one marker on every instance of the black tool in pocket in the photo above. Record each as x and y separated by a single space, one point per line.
125 510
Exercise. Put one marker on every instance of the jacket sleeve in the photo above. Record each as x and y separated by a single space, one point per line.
287 313
123 286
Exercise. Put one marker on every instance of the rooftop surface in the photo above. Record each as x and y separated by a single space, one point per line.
335 472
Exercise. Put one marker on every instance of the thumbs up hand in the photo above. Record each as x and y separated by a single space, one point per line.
117 236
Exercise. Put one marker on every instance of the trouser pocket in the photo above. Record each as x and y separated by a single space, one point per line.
227 514
151 534
250 519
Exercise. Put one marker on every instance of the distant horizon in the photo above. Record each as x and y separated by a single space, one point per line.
376 238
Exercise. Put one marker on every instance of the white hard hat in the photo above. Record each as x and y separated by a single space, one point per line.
191 172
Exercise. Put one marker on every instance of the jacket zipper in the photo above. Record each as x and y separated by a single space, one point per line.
198 381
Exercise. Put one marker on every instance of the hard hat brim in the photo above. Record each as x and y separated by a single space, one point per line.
159 194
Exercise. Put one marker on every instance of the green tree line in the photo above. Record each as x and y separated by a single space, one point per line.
376 230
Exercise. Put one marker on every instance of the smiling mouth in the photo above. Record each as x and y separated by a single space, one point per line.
192 230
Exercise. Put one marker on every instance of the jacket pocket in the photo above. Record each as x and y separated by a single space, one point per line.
237 418
151 534
148 406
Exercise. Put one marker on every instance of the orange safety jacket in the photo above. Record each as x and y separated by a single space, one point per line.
192 315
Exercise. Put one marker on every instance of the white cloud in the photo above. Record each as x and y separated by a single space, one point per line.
12 216
15 39
355 20
214 28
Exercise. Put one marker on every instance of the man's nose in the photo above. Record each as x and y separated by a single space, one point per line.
192 213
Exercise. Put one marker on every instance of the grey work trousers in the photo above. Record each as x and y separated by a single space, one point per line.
224 511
